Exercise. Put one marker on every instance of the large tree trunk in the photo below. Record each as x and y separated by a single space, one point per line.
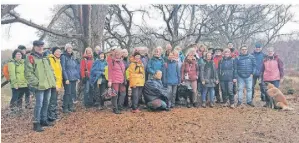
86 17
98 14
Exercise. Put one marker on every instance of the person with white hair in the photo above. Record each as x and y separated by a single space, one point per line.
70 72
155 63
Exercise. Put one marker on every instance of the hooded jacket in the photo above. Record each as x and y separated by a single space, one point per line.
16 71
85 66
272 68
136 74
171 73
227 69
56 66
208 74
259 57
191 68
70 67
98 71
155 64
38 72
116 70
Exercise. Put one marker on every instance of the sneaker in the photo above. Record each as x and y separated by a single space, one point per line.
251 104
136 111
232 106
203 105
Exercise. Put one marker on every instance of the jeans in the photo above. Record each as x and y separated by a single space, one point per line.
211 92
276 83
150 105
227 91
241 83
27 96
88 98
255 78
69 92
41 105
52 109
136 94
118 101
172 89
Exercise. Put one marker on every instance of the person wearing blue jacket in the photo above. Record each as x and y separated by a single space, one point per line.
259 57
155 63
171 78
228 76
98 80
71 74
246 68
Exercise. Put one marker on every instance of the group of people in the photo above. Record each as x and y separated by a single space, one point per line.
154 81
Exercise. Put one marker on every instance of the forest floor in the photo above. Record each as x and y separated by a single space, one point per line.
218 124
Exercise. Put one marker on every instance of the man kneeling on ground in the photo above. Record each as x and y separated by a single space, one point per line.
155 95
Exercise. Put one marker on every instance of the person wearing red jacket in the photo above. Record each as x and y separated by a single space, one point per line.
234 52
216 59
85 68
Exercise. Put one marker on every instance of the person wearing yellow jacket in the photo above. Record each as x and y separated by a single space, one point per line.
136 76
54 59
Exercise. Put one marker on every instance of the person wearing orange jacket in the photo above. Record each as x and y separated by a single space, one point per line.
136 77
217 57
85 68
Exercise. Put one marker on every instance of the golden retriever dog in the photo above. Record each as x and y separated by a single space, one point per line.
276 97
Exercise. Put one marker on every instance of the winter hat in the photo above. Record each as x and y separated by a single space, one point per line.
15 52
21 47
38 43
54 49
258 45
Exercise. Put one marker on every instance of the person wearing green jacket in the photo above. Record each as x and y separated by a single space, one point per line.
27 91
18 82
40 77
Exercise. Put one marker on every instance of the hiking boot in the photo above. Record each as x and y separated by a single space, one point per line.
232 106
72 110
251 104
37 127
188 105
239 104
116 111
66 111
100 108
203 105
46 123
195 105
167 109
136 111
28 107
218 101
225 104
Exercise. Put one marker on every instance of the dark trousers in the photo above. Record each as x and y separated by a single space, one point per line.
88 98
227 91
17 97
254 80
136 94
217 92
69 92
126 103
99 89
52 109
118 101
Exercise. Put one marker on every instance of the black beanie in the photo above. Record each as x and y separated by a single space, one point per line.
54 49
15 52
21 47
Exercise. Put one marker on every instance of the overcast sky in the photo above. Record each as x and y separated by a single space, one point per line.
22 34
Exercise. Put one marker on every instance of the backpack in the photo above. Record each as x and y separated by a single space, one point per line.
5 71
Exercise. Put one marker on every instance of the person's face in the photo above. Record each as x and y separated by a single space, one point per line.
102 56
125 53
23 51
209 56
168 48
118 54
157 53
244 50
88 52
39 49
57 53
258 50
137 58
158 75
69 50
230 45
171 56
270 52
190 57
227 53
18 56
176 55
218 53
